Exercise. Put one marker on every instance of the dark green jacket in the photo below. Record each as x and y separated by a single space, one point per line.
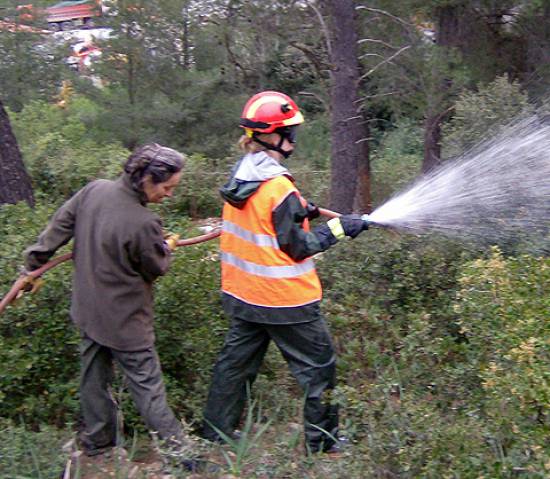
118 252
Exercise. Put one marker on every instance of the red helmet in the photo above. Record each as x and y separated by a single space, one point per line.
269 110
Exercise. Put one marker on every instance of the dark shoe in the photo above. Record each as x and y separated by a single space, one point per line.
333 449
97 451
92 449
338 449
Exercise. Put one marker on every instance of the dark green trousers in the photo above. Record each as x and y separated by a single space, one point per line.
308 350
143 378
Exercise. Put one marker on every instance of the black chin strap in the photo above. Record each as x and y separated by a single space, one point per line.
271 147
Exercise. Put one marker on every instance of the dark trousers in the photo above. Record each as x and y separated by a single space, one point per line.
308 350
143 377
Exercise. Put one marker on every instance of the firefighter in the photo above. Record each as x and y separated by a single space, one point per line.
119 250
270 289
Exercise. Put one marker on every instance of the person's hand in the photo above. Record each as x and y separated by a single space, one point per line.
353 225
312 211
347 225
30 284
171 240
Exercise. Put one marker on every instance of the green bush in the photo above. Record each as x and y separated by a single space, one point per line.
476 114
189 324
31 454
198 193
396 160
503 306
39 345
443 359
60 153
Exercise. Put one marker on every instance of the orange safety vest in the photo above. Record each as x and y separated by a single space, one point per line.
254 269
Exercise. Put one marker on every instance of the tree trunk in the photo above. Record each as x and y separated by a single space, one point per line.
449 25
362 201
349 149
15 183
432 141
185 41
535 74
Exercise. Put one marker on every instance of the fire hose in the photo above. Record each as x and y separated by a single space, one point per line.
23 281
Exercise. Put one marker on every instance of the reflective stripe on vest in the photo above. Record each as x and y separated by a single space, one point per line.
260 240
254 268
290 271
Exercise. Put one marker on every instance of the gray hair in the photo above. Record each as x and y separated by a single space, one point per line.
155 160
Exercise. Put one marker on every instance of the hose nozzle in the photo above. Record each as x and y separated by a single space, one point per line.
366 219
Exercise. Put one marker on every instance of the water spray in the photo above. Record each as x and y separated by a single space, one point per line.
497 192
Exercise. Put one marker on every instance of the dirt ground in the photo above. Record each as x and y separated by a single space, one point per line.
277 453
146 464
116 464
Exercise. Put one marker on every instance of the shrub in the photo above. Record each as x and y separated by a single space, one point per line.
198 195
39 345
60 154
26 454
503 306
190 326
396 159
443 359
487 110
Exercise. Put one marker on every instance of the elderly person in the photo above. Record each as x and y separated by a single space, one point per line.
119 250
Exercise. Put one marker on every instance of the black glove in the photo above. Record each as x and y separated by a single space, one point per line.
312 211
353 225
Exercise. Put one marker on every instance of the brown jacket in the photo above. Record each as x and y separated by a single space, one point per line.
118 252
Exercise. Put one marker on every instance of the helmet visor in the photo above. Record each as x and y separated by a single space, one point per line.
288 132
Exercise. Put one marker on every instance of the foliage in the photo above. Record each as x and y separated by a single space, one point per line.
30 67
313 148
38 353
189 324
243 446
396 159
443 353
310 162
445 360
25 453
422 77
209 108
503 306
487 110
150 93
442 361
58 153
198 194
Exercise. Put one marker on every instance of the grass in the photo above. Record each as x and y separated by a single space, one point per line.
240 450
412 438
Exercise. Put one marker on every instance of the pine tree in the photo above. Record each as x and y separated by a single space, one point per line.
15 183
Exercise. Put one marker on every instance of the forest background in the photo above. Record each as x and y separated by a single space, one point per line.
444 348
